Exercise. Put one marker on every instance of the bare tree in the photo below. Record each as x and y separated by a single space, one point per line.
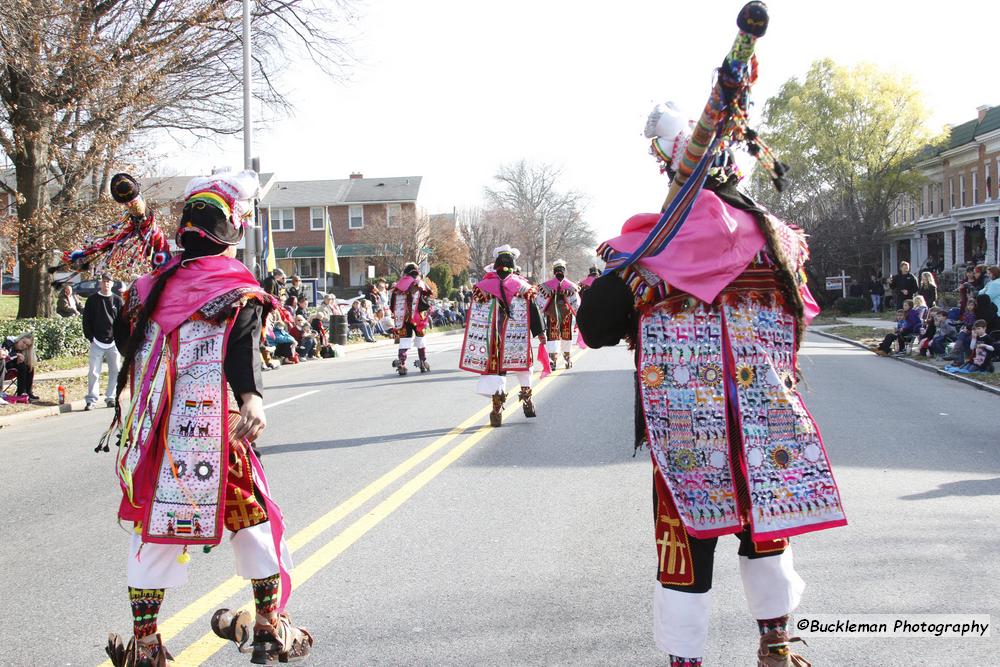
483 230
529 195
83 79
407 240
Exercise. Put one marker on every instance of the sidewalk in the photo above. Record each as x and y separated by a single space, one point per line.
77 406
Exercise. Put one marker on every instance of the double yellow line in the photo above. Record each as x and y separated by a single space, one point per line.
208 644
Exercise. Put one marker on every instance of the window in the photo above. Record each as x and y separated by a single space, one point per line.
975 188
989 182
355 217
913 209
394 215
309 267
282 219
940 190
951 191
923 198
961 188
317 218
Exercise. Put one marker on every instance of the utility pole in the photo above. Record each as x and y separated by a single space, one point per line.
545 262
250 251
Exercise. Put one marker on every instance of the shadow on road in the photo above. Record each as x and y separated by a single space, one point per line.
967 487
378 380
351 442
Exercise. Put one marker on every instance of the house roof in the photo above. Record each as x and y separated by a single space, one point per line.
171 188
343 191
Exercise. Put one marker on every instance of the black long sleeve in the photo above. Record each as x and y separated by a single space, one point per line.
537 327
242 362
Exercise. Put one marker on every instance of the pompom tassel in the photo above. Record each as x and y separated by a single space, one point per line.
185 557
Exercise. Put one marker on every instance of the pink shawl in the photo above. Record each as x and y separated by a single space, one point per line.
715 245
565 284
194 284
512 284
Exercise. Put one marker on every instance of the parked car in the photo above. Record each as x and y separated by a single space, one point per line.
87 288
10 286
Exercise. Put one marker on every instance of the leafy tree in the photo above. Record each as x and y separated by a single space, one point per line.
83 81
440 275
850 136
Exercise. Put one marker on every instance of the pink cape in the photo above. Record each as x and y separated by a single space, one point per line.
554 283
194 284
715 245
512 284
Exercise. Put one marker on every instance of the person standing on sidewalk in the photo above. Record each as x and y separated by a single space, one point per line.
99 315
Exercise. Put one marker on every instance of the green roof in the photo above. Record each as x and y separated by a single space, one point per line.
962 134
346 250
990 122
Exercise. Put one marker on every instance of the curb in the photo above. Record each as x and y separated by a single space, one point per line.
951 376
77 406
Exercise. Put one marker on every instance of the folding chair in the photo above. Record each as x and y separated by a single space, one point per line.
9 384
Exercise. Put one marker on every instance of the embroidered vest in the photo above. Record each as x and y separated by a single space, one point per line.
721 372
495 343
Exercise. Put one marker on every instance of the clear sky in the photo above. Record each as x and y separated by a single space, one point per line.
451 89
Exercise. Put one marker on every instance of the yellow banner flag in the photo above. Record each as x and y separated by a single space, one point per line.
270 261
330 250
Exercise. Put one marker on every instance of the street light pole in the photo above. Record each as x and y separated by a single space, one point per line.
545 262
250 247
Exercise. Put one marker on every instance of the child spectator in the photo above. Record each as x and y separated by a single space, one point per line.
981 351
304 337
928 288
920 307
283 344
944 333
907 326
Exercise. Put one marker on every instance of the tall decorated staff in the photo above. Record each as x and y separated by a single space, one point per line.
190 334
710 293
130 247
501 324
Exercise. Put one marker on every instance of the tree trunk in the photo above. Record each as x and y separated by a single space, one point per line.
32 174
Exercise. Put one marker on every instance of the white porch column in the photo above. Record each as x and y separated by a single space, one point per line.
959 243
920 253
947 250
991 245
893 257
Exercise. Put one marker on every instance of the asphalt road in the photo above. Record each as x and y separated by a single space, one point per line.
422 537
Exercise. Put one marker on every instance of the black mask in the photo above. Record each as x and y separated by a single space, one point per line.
560 275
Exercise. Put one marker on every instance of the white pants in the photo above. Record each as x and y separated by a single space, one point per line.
680 620
407 343
98 355
492 384
156 566
556 346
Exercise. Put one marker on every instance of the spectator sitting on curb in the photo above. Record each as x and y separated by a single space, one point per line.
304 337
944 333
982 349
356 320
907 326
928 329
920 307
965 322
283 344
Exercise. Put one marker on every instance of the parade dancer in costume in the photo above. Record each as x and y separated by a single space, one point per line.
411 311
558 298
501 323
189 333
592 274
716 314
